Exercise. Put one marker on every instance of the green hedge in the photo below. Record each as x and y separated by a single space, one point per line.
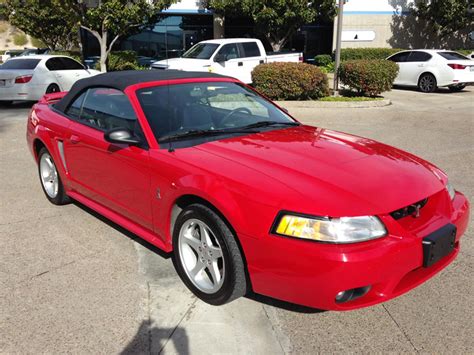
323 60
290 81
122 60
367 53
368 77
465 52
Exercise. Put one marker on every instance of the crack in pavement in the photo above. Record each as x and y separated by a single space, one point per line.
188 311
274 330
401 329
61 266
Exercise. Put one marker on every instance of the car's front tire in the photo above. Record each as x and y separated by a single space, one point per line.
50 180
207 257
456 88
427 83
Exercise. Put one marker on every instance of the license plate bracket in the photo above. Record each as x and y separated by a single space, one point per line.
438 244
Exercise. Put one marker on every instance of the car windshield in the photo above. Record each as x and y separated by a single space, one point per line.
452 56
210 107
20 64
201 51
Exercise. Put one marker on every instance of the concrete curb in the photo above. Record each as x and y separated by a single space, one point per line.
334 104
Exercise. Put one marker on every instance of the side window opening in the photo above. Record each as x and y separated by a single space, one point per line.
250 49
229 51
105 109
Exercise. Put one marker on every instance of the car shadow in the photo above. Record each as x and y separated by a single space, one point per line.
251 295
17 105
124 231
440 90
287 306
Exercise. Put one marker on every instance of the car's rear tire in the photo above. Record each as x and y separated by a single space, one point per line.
50 180
52 88
207 257
456 88
427 83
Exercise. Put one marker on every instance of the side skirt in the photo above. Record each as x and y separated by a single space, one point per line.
121 221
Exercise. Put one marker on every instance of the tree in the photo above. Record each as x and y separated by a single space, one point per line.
445 16
277 20
114 18
46 20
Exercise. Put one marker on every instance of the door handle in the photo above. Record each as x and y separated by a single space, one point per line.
74 139
240 64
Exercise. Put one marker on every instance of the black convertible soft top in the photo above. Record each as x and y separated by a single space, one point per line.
122 79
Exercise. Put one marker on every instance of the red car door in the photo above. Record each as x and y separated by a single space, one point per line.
115 175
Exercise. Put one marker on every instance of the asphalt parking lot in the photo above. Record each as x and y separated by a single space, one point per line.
71 282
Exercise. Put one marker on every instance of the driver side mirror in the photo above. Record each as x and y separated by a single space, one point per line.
121 136
219 58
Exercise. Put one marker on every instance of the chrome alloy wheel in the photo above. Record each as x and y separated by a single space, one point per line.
201 256
427 83
49 175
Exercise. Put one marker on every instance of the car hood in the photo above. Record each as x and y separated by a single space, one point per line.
179 63
334 174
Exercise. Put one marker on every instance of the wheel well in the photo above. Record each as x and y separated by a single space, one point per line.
37 145
427 72
187 200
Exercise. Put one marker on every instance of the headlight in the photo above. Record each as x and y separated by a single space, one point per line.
332 230
451 190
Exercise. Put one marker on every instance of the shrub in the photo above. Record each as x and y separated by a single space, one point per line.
73 54
122 60
37 43
368 77
323 60
367 53
465 52
20 39
290 81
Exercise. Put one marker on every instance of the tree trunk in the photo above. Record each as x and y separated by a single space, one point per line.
103 53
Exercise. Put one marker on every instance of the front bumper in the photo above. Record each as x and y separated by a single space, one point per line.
312 274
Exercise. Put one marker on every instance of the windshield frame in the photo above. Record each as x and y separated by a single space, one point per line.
201 44
132 91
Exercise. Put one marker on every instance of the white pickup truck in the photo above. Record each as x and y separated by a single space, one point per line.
235 57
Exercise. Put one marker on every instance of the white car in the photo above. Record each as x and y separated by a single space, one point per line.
29 78
235 57
429 69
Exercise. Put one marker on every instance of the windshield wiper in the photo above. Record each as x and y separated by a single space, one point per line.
268 124
203 133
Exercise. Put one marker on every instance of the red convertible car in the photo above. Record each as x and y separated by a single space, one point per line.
244 196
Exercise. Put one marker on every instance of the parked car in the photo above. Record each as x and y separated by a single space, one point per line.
235 57
430 69
242 194
8 54
28 78
34 51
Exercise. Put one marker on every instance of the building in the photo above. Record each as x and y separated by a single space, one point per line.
389 23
